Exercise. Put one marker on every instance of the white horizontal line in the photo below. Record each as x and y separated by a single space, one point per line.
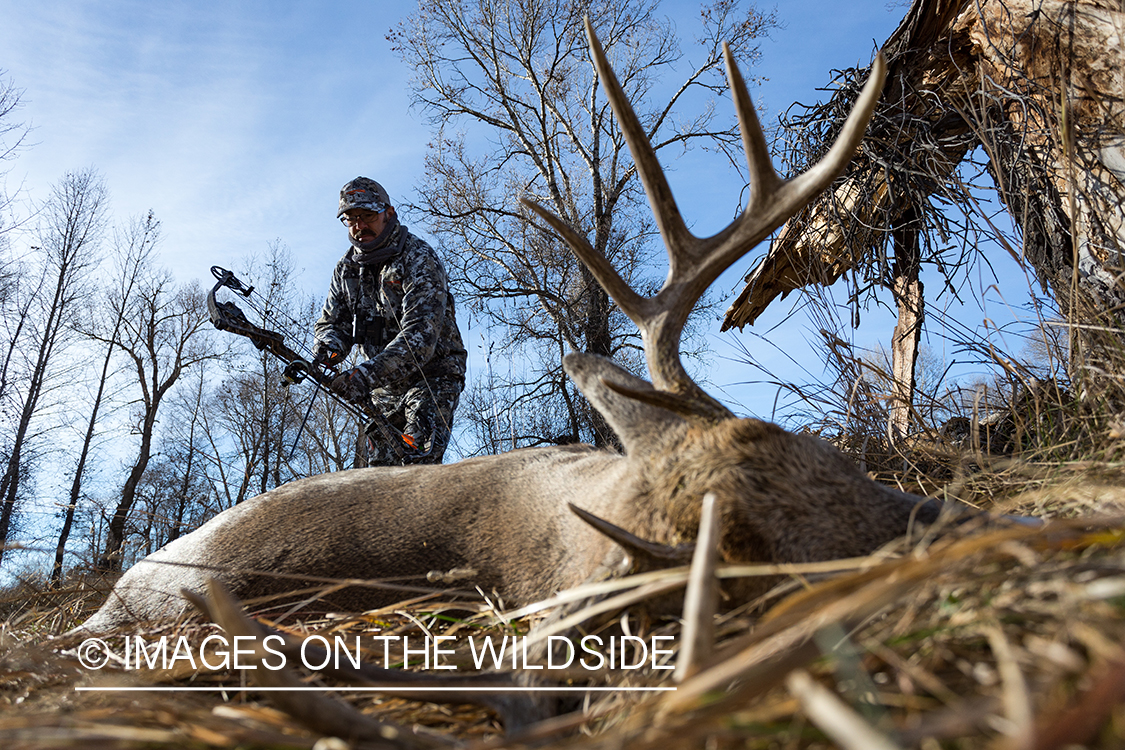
385 689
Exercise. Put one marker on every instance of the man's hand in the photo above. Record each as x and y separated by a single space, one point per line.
352 385
323 355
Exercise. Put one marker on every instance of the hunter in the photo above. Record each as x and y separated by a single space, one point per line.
390 296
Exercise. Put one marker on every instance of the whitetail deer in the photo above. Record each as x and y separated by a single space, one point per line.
510 517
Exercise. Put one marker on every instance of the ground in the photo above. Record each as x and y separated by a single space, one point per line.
1005 634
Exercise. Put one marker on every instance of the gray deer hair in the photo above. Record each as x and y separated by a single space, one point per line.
535 521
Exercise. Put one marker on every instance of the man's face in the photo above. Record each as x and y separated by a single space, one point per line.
364 225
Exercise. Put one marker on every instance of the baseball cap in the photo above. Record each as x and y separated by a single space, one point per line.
363 192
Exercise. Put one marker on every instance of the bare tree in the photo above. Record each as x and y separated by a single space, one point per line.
328 441
522 72
161 337
14 274
247 409
174 495
73 221
190 491
12 134
134 247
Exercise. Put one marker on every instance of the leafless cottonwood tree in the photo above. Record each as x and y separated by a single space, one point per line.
14 274
73 221
251 410
210 440
161 337
517 76
134 247
1039 86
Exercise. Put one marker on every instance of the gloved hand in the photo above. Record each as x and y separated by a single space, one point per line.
352 385
327 356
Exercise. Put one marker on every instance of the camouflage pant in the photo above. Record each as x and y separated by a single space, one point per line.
424 414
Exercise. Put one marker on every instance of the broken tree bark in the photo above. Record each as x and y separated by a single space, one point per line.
1038 84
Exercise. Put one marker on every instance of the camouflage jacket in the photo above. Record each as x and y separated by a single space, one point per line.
404 321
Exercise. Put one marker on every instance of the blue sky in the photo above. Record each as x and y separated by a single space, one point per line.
237 122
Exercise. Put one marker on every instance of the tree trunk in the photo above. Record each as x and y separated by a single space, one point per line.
136 248
599 340
111 558
188 468
160 345
80 470
907 291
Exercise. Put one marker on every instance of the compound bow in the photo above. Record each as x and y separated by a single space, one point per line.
228 317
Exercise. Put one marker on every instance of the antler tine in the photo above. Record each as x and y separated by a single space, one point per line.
666 213
808 185
675 233
773 200
657 317
763 179
631 303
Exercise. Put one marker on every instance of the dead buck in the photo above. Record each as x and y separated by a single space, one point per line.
511 518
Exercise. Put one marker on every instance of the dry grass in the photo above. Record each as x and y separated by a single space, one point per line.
990 637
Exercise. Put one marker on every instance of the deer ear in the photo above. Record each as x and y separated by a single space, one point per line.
640 426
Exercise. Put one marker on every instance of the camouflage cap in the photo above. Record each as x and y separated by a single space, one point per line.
363 192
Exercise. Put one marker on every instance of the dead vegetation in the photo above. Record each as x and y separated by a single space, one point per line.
1000 636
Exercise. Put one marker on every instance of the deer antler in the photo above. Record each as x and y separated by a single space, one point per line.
694 263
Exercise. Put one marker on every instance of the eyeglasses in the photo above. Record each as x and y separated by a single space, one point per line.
367 217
